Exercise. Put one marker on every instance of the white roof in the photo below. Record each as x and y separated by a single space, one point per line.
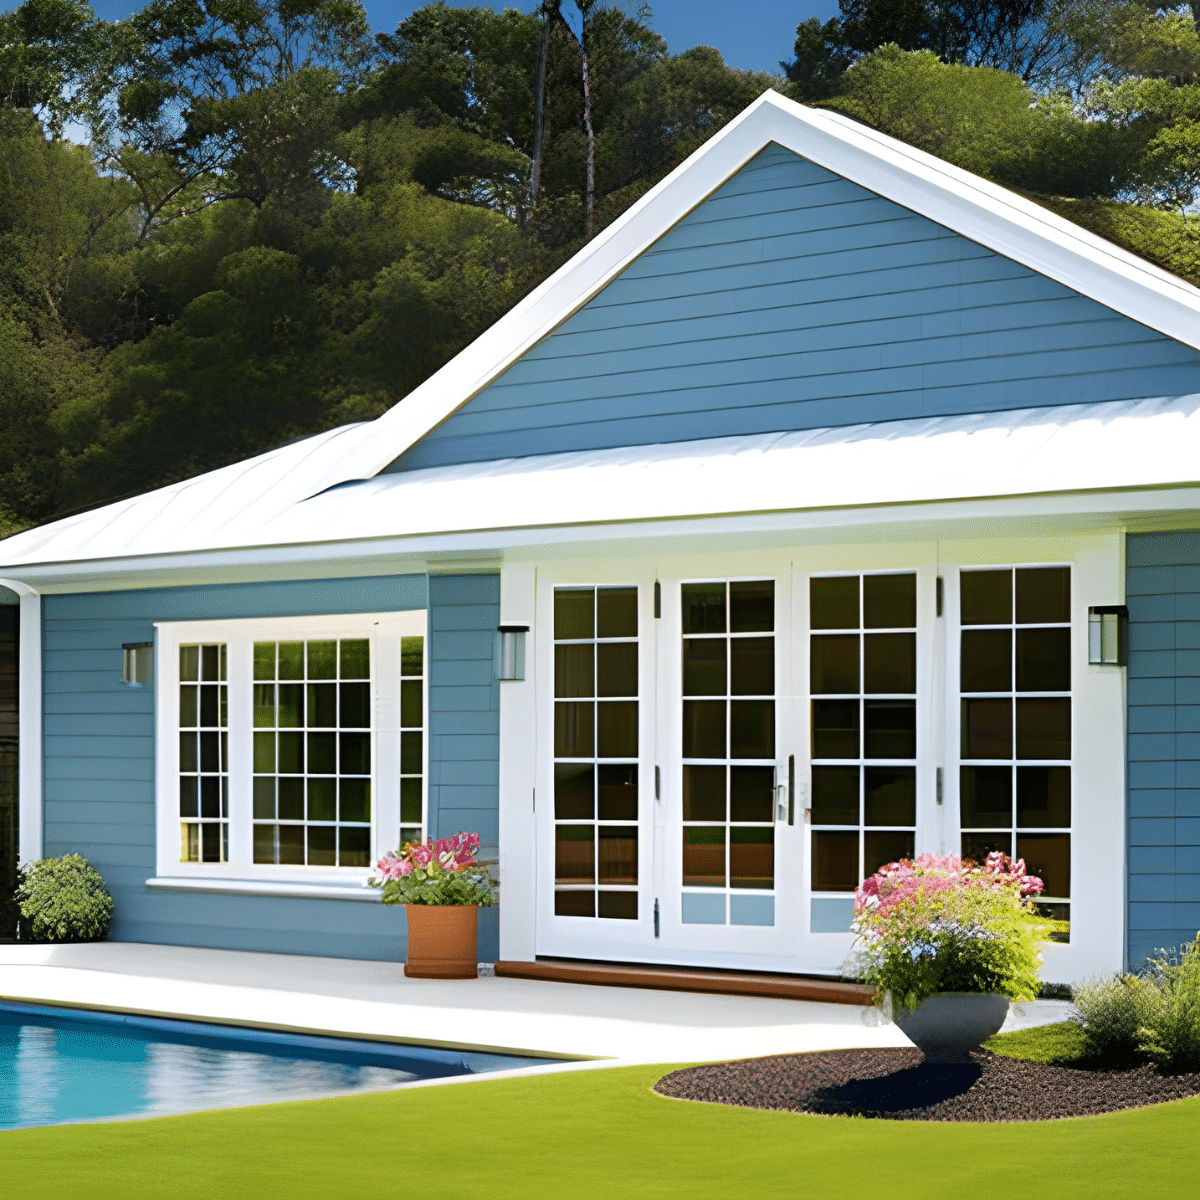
1136 444
255 501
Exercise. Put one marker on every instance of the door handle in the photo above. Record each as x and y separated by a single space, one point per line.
781 807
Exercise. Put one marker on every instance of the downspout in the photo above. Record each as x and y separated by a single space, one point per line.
29 722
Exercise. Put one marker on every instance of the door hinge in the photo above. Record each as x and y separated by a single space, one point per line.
657 598
535 799
939 785
658 783
941 592
656 918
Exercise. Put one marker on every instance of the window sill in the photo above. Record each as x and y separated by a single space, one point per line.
267 887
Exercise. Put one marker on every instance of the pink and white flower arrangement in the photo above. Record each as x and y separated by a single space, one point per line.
438 871
938 924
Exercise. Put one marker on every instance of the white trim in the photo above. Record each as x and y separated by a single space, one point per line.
264 887
29 722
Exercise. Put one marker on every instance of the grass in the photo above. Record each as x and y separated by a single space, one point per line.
599 1133
1057 1045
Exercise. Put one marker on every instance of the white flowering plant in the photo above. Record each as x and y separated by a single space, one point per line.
938 924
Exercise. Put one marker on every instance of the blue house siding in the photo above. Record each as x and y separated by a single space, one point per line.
99 756
794 299
1163 594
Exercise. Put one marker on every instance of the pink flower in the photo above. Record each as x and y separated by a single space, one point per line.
390 866
421 854
405 867
441 846
447 861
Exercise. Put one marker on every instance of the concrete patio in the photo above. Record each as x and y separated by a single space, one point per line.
374 1000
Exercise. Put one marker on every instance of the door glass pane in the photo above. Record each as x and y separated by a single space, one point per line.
1044 660
618 853
890 663
985 797
617 906
574 670
986 660
752 729
616 669
882 847
835 795
751 793
889 601
617 793
987 729
704 729
752 666
835 861
573 732
616 613
617 731
704 856
575 903
889 729
890 796
1044 797
833 602
976 846
573 617
704 671
703 608
703 793
835 728
1044 728
574 853
752 856
752 606
1048 856
833 664
986 597
573 799
1043 595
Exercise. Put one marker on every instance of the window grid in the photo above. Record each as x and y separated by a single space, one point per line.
203 753
728 763
412 739
596 709
313 752
1009 799
863 799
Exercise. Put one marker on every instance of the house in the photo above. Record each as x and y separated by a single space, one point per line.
801 512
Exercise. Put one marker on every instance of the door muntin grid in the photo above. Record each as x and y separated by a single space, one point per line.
728 741
1016 724
596 745
203 753
863 697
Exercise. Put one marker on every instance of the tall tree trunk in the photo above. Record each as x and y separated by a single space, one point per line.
545 11
589 202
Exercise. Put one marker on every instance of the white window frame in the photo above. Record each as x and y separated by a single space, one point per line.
384 631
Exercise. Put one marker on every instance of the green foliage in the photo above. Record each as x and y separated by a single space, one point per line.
435 886
1058 1045
1112 1011
64 900
1170 1032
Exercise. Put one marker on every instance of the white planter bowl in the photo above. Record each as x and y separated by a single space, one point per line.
948 1025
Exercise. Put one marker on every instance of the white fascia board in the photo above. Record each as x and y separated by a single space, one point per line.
486 549
29 721
978 209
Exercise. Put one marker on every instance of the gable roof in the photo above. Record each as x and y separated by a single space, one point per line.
214 506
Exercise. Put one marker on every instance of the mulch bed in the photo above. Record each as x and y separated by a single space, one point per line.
896 1084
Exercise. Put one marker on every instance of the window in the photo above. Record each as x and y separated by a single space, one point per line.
596 752
296 744
728 752
863 682
1015 684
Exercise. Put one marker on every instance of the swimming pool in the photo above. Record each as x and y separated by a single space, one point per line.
64 1065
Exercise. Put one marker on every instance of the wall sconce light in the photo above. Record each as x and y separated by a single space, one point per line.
510 651
137 663
1108 634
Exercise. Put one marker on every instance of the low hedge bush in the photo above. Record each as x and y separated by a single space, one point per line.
63 900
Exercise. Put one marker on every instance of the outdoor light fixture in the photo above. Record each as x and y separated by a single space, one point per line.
1108 634
510 656
137 663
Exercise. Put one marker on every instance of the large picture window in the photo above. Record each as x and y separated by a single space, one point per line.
290 745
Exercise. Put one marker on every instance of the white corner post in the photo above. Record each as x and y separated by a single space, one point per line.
518 759
29 727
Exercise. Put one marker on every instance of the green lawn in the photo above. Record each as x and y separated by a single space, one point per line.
592 1133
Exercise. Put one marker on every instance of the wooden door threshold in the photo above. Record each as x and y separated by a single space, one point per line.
689 979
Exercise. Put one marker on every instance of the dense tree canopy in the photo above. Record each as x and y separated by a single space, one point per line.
279 223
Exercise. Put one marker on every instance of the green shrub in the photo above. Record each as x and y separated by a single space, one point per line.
64 900
1112 1010
1171 1033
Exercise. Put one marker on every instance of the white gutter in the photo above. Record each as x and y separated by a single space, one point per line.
29 727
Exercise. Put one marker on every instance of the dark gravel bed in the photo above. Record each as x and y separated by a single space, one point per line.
897 1085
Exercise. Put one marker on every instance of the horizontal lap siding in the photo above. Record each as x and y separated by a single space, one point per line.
99 754
793 299
1163 593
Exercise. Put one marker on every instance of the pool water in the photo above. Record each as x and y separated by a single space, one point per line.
59 1066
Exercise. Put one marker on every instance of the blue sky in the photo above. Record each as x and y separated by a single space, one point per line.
749 33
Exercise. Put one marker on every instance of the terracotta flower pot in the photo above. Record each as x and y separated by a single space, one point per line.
441 941
947 1026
